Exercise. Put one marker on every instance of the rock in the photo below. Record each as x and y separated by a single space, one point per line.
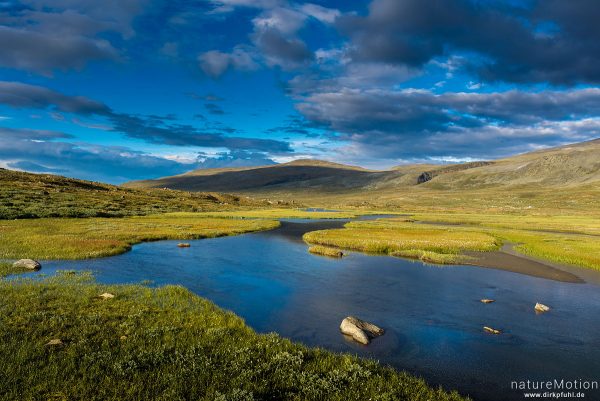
491 331
123 338
541 307
183 245
56 341
424 177
487 301
359 330
29 264
106 295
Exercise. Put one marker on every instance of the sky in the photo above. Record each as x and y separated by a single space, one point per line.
119 90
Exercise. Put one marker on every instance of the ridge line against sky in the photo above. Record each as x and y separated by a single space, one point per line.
132 89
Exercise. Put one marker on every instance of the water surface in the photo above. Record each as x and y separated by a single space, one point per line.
432 314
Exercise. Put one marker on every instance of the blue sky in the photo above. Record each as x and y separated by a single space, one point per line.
129 89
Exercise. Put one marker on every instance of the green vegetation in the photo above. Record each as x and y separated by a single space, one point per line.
96 237
573 240
326 251
25 195
398 237
8 269
442 237
166 344
282 214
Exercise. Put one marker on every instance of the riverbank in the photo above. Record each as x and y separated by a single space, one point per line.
166 343
97 237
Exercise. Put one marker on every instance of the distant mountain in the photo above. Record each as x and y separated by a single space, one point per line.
572 165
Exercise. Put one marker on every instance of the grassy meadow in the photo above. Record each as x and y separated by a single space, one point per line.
442 237
279 214
398 237
572 240
95 237
166 344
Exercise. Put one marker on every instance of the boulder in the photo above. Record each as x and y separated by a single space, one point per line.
491 330
487 301
29 264
359 330
541 307
424 177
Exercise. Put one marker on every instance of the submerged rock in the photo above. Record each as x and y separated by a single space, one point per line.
183 245
359 330
29 264
487 301
491 330
541 307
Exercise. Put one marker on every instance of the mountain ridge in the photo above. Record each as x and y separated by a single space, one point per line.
564 166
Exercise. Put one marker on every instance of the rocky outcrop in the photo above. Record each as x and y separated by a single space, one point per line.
28 264
424 177
360 331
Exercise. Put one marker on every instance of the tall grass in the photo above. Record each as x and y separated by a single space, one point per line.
166 344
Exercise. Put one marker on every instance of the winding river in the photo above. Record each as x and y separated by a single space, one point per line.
433 315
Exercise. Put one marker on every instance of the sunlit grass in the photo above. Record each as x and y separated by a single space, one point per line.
397 237
25 195
280 214
572 240
96 237
326 251
166 344
8 269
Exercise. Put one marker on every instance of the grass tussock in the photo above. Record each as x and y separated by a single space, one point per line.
96 237
397 237
166 344
326 251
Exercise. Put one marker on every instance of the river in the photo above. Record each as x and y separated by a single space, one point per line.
432 315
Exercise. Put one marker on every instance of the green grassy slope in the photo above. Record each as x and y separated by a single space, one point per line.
25 195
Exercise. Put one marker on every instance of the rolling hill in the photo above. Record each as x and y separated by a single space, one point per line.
564 166
26 195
